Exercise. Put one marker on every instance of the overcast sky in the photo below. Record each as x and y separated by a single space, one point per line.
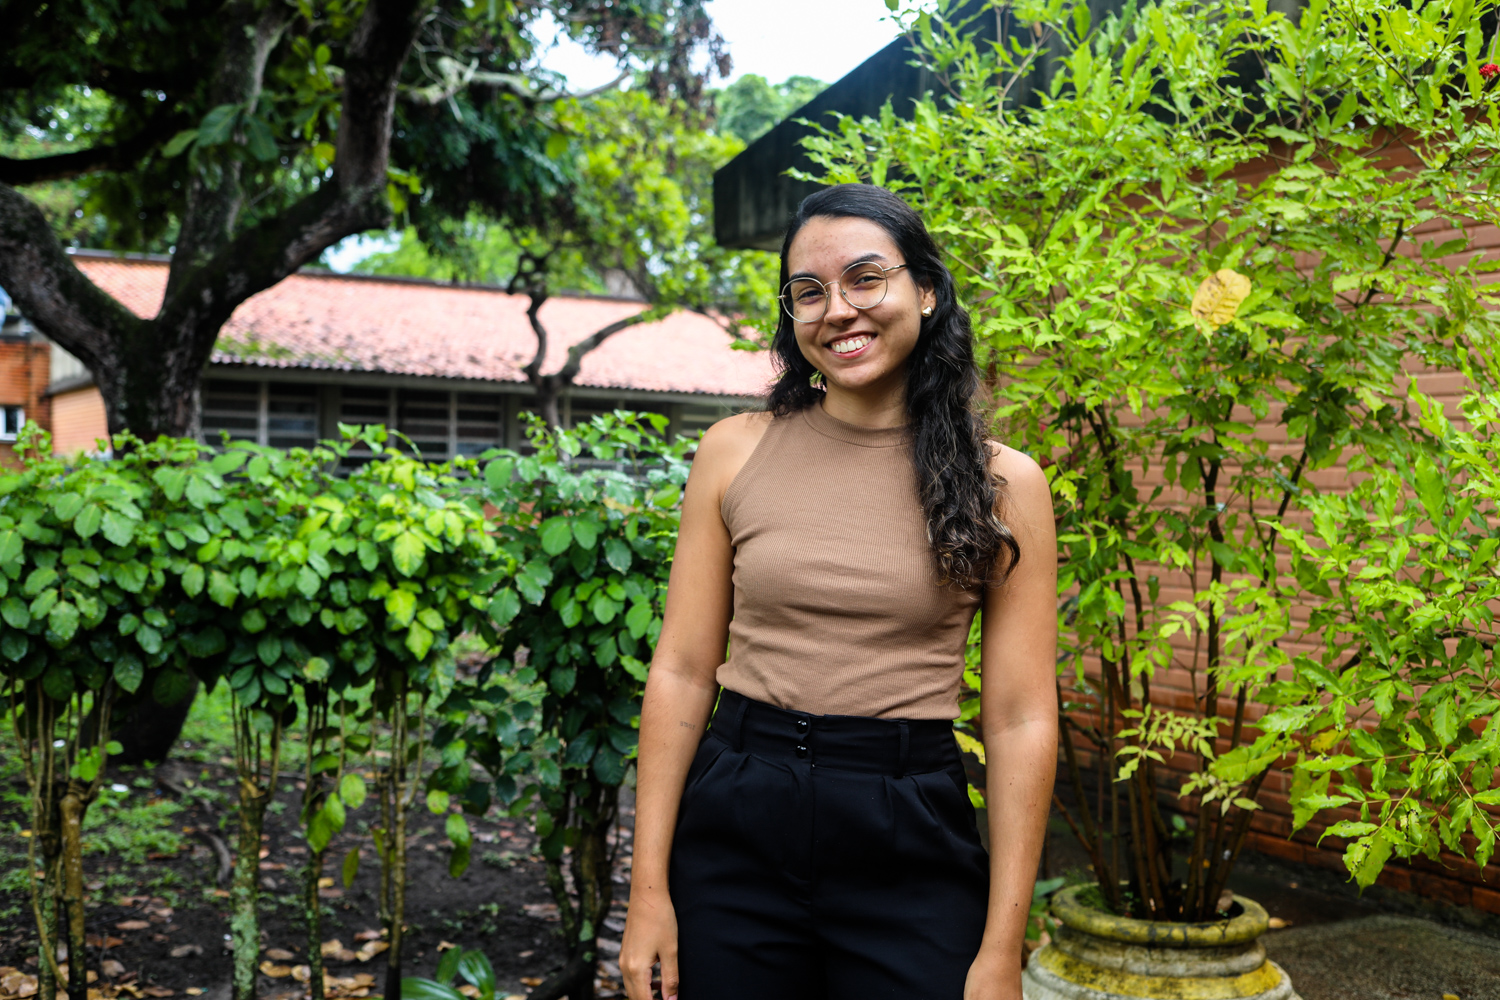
774 38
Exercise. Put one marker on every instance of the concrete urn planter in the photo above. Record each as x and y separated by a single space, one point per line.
1096 955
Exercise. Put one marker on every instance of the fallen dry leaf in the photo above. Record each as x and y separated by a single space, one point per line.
222 893
325 883
280 954
302 973
184 950
269 968
1277 923
330 893
112 968
469 990
272 866
445 945
164 912
370 949
195 991
546 911
531 980
371 934
132 900
129 990
132 925
157 991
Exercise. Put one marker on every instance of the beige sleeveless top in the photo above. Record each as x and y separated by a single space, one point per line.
837 608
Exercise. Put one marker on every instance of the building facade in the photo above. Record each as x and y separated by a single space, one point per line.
442 364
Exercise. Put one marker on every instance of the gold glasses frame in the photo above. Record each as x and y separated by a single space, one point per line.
785 298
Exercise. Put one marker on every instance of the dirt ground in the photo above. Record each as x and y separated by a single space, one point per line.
159 928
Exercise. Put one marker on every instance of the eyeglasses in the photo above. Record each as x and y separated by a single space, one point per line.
863 285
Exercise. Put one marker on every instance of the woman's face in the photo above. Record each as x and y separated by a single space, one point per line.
857 349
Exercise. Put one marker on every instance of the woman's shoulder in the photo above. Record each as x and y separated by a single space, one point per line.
727 445
1024 478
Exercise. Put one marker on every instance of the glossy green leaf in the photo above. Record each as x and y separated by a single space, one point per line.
86 524
352 790
408 553
556 535
129 672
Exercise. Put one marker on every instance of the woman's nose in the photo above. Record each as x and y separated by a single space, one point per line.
839 309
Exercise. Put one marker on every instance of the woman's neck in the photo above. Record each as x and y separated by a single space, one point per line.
875 411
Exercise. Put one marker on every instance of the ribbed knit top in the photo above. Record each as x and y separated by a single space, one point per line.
837 608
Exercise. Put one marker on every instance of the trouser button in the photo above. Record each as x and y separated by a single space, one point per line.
801 750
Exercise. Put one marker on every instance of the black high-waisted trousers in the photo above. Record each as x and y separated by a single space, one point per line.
828 857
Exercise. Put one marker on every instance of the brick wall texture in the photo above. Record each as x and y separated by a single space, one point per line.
1452 878
78 421
25 367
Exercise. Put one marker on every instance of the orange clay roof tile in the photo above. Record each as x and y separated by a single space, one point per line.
343 323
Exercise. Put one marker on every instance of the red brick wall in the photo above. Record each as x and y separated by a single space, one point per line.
78 421
25 367
1453 878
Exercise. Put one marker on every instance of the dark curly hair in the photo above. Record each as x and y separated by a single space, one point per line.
960 495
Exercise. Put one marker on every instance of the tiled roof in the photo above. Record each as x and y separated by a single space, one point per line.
347 323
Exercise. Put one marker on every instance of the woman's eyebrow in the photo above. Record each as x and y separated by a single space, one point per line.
862 259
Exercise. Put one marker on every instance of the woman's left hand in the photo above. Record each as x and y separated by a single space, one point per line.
994 977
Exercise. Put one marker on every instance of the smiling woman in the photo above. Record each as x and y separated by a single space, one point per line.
818 841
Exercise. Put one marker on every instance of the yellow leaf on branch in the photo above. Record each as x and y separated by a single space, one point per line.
1219 297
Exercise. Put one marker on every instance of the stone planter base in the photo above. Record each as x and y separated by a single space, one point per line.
1098 956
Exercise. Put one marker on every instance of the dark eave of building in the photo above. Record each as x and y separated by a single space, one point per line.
754 197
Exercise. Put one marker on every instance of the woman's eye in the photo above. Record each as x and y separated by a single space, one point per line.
867 278
808 295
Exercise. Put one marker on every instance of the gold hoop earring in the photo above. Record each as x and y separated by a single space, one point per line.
927 311
816 379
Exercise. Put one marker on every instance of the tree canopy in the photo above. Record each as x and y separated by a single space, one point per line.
750 106
247 136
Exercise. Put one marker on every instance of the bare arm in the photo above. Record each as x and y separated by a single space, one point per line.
1019 720
680 693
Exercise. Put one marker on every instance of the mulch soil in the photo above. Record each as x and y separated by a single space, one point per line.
174 942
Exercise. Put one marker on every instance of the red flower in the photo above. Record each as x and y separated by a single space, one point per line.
1488 70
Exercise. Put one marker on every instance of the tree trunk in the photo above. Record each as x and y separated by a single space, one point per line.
148 371
244 922
593 891
397 790
316 698
312 907
71 809
257 780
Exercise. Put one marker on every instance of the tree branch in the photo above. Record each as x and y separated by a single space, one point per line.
203 298
533 371
454 76
105 156
53 294
569 370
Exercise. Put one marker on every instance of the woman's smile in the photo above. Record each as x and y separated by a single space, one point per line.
851 345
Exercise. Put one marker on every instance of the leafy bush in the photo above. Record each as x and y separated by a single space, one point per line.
1398 702
588 524
338 603
1173 225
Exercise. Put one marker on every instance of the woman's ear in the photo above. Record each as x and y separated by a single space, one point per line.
928 298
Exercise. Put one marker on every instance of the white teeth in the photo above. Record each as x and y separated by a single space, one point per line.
846 346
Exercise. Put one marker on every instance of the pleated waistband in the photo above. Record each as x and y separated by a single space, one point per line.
895 747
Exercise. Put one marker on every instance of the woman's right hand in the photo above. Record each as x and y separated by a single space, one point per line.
650 937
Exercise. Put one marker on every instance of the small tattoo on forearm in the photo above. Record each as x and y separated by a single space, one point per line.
687 725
